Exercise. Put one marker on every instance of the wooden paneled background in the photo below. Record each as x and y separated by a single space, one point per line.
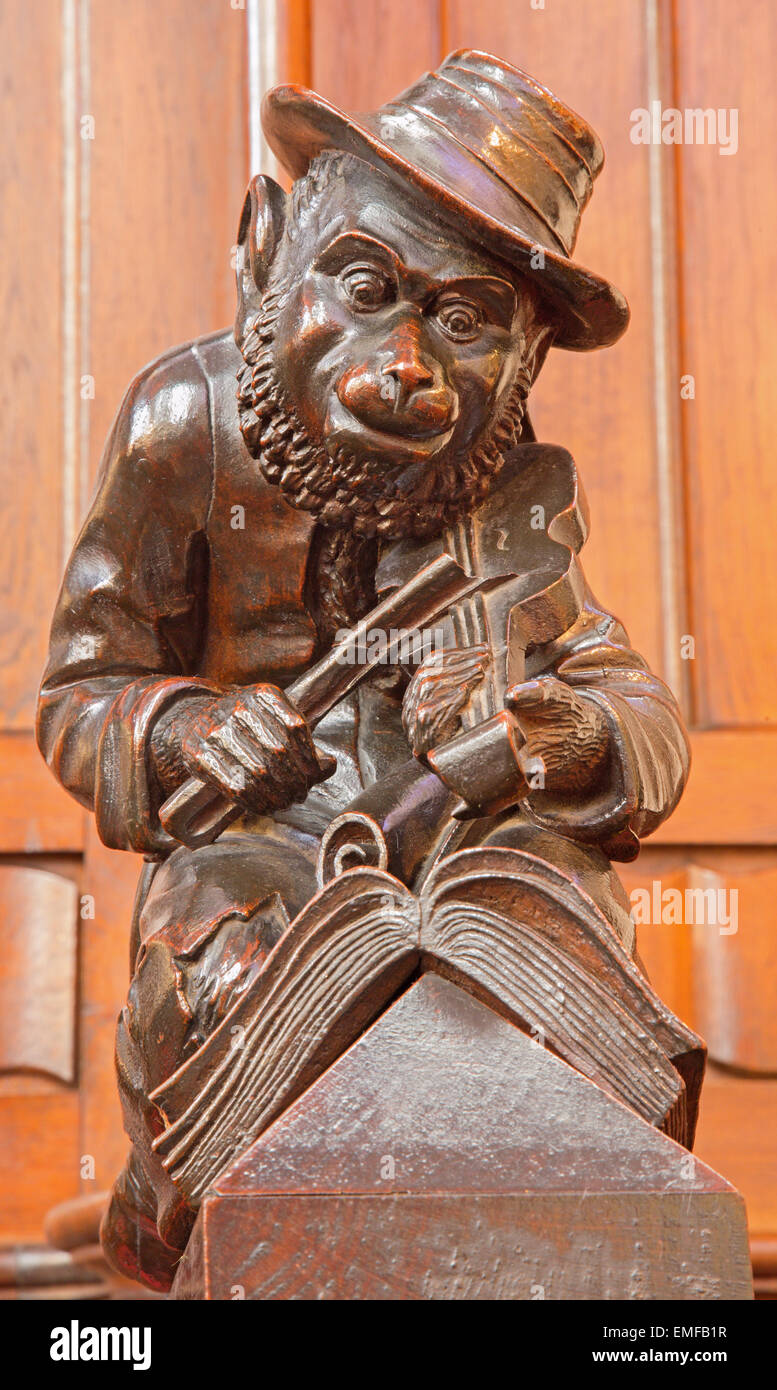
131 129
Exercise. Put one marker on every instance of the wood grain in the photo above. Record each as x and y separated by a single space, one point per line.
39 1158
600 405
472 1248
729 259
729 798
31 479
39 915
715 972
503 1178
36 814
362 55
169 165
738 1136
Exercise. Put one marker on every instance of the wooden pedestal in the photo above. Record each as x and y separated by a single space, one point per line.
448 1156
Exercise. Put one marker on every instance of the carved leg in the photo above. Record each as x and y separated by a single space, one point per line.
210 921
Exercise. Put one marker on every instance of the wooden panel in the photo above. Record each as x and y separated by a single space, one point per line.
293 41
168 174
362 55
664 947
38 930
734 966
737 1136
599 405
707 940
169 166
583 1246
728 205
30 379
730 795
36 814
39 1159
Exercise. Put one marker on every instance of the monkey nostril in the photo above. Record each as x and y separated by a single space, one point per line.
403 377
390 389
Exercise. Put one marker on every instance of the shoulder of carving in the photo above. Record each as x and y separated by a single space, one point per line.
164 425
544 476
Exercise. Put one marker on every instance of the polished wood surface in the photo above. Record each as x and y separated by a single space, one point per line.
481 1185
138 284
39 911
163 136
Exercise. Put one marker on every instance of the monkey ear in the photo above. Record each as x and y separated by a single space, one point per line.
261 225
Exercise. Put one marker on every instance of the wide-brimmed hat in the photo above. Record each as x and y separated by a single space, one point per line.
496 150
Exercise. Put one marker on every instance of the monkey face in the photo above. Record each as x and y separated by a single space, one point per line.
398 340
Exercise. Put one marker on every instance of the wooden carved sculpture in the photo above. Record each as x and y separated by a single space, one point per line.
325 656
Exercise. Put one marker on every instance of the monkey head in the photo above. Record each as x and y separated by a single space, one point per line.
386 358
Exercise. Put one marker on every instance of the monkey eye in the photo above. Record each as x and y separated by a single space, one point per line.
366 287
460 319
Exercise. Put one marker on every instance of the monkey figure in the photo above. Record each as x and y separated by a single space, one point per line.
394 311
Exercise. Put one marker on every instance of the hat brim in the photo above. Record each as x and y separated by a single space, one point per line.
591 312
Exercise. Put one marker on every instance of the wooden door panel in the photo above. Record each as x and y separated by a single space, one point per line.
600 405
39 915
737 1136
362 55
39 1154
154 180
142 206
727 208
167 174
706 935
33 486
36 815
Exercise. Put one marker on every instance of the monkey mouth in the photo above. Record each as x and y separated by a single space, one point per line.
413 440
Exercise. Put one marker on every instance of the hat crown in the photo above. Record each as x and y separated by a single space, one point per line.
489 145
536 158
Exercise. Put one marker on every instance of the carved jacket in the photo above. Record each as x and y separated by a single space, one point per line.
189 574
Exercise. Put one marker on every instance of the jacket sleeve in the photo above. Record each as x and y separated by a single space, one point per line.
649 755
129 619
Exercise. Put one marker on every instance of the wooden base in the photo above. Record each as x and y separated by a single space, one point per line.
447 1155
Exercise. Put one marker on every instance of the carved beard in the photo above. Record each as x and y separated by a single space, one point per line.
345 489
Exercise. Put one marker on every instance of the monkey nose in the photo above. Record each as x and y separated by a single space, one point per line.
402 376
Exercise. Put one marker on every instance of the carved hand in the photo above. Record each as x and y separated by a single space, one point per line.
567 739
252 745
439 692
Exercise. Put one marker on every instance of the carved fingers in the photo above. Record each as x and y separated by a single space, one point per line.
256 748
438 693
567 738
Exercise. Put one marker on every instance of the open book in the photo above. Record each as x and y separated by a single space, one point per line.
500 923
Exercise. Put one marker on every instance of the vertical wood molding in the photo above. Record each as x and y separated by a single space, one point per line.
728 262
673 577
167 86
85 268
278 46
75 88
262 38
70 313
